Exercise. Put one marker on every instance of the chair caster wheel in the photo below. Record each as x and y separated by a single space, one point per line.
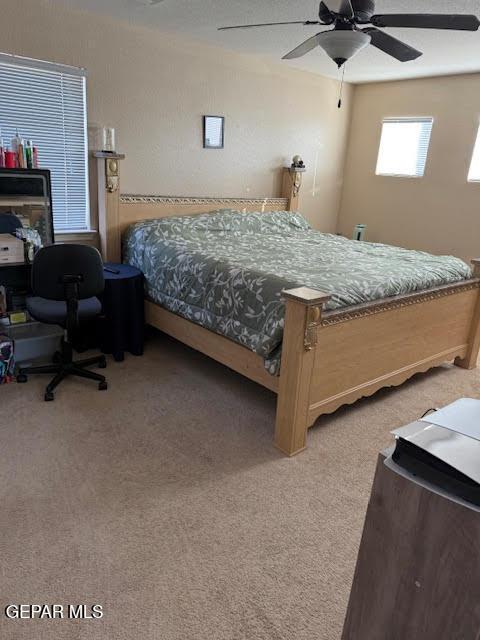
102 386
102 364
49 396
22 377
57 357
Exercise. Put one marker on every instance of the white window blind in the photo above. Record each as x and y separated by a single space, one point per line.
404 147
47 104
474 173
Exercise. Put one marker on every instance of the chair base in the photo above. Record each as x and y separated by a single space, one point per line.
64 366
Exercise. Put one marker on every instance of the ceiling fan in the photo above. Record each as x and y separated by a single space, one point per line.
346 38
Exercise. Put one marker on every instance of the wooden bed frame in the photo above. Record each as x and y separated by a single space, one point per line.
329 358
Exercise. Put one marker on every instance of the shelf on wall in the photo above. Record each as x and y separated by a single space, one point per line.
14 264
108 154
12 201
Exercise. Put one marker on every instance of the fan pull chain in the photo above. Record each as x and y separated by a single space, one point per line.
341 87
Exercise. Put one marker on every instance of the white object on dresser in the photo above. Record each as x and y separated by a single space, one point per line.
462 416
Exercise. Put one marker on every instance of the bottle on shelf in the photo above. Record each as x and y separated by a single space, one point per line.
22 159
16 141
2 151
35 157
10 159
29 154
18 147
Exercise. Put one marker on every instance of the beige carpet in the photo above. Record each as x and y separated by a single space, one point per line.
164 500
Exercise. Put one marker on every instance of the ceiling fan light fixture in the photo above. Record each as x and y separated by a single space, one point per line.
342 45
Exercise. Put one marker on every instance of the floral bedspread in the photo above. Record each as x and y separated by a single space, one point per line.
225 270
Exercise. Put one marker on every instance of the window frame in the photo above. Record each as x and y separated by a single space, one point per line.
404 119
54 67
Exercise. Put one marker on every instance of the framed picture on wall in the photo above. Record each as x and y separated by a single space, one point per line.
213 132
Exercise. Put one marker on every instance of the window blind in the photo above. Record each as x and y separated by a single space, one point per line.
404 146
47 104
474 172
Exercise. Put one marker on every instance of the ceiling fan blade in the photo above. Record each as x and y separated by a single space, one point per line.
388 44
427 21
268 24
326 16
304 48
340 7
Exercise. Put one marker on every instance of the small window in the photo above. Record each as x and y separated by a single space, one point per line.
46 102
474 173
404 147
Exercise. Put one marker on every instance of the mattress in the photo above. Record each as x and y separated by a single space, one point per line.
225 270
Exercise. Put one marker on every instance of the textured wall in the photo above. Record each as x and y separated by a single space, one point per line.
439 213
154 89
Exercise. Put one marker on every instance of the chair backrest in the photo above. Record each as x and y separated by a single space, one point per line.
51 264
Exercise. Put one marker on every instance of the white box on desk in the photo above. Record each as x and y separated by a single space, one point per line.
11 249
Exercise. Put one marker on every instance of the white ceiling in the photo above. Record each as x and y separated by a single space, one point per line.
445 52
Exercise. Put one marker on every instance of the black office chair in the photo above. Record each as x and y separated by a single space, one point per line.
65 280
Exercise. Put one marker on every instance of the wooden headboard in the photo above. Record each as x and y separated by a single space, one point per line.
117 211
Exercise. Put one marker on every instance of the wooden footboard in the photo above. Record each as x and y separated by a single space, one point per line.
334 358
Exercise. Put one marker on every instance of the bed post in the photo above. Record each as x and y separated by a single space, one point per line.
108 176
471 357
292 183
303 314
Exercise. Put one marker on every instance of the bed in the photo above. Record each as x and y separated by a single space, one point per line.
329 353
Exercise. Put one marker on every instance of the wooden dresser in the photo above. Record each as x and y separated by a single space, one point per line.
418 569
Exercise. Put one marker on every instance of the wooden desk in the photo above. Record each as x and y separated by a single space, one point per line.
418 568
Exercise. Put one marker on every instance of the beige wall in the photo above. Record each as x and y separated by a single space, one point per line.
154 90
439 213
